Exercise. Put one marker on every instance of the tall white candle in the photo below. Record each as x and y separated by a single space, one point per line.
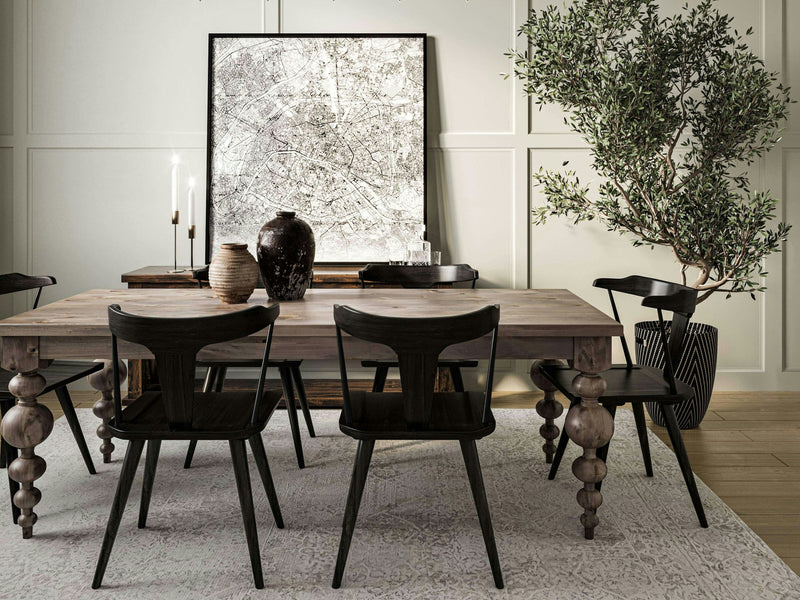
190 211
176 161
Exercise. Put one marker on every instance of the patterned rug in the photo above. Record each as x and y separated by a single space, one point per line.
417 534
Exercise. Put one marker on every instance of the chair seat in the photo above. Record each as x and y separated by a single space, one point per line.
56 375
464 364
638 384
455 416
217 416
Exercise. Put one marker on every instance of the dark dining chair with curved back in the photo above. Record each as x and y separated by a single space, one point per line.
636 384
58 376
417 277
177 412
417 413
291 379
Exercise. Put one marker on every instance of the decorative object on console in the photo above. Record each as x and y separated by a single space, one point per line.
286 249
233 274
192 221
329 126
175 177
419 253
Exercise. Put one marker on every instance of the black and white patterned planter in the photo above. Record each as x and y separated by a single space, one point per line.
697 368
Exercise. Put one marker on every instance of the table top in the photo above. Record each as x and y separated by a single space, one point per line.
523 313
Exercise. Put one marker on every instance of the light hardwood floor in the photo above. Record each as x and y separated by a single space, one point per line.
747 450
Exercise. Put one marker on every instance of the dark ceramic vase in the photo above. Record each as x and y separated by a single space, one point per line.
286 256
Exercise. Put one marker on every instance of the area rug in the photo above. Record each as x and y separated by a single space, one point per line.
417 534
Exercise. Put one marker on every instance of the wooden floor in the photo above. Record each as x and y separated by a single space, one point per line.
747 450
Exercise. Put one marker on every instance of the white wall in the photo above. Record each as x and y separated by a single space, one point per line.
96 95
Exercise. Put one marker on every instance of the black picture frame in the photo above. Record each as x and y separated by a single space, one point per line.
214 221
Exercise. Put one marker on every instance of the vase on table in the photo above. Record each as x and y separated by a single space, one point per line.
233 273
286 250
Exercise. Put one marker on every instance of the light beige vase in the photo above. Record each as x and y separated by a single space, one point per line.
233 274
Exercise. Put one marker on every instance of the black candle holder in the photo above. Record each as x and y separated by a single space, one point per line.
175 220
192 231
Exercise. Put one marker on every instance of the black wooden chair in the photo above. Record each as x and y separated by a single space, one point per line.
418 413
177 412
417 277
637 384
291 379
57 375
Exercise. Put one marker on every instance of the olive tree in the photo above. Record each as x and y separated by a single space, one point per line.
674 109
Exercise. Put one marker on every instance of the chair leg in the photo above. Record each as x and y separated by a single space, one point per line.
301 396
683 460
641 430
470 452
72 419
260 455
208 383
380 379
13 486
357 481
150 463
458 380
291 408
239 457
187 463
129 465
562 446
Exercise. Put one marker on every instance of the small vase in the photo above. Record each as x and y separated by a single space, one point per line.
233 273
286 256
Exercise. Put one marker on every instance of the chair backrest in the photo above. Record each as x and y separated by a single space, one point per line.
661 295
410 276
17 282
417 343
175 343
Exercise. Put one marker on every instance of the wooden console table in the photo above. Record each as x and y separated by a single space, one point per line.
160 277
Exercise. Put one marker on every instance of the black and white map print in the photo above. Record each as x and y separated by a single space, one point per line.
329 127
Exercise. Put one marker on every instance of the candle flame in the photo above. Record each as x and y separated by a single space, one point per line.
191 182
176 159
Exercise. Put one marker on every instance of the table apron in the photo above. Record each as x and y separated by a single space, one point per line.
311 348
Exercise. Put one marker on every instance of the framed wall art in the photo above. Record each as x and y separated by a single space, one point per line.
329 126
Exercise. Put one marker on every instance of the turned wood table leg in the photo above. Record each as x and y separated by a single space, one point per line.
590 425
103 409
26 425
547 408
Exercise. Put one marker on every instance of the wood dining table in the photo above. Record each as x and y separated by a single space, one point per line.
538 324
